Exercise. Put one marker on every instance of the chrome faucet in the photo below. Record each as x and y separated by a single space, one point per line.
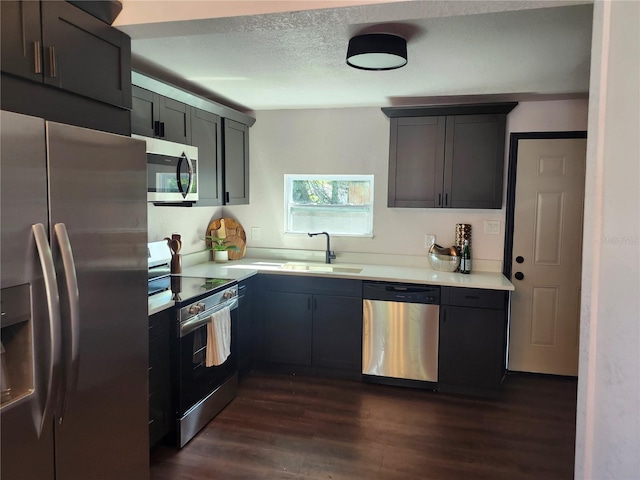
329 254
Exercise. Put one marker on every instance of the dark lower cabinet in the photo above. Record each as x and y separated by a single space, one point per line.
244 335
311 325
159 376
472 350
287 328
337 332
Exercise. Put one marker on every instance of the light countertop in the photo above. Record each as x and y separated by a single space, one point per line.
247 267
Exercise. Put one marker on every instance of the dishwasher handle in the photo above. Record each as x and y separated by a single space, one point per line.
401 293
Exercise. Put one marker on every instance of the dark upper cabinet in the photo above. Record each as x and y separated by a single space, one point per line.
236 163
416 161
206 135
287 328
447 156
60 45
154 115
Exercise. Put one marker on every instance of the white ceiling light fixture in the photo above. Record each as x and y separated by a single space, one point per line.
377 51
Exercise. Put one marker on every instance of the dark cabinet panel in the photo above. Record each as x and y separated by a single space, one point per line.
416 161
154 115
175 121
21 39
205 134
471 347
85 55
337 332
57 43
287 328
243 339
236 163
474 161
159 376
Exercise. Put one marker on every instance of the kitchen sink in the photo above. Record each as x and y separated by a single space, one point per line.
320 268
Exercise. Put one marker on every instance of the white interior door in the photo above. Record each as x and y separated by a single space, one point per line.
547 255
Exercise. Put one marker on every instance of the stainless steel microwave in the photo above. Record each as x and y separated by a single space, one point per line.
172 171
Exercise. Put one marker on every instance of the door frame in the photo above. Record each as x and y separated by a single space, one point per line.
514 138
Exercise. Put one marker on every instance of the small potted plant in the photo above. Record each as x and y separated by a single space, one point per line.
220 247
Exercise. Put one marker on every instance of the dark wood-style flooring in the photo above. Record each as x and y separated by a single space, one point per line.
294 427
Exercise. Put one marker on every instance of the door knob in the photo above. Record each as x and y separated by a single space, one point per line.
519 275
519 259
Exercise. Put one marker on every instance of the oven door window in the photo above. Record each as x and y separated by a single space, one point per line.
196 380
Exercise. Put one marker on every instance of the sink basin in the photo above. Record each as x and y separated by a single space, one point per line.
320 268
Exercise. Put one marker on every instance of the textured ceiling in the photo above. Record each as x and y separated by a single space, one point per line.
297 59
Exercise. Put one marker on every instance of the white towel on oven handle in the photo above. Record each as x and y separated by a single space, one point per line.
218 337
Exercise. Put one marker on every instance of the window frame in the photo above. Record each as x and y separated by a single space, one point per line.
288 184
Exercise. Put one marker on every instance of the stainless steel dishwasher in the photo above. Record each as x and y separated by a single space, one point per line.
400 333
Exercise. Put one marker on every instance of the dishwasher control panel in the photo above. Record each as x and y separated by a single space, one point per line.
399 292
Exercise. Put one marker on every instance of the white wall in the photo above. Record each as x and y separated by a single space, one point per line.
190 222
356 140
608 416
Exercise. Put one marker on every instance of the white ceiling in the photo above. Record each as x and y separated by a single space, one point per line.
297 59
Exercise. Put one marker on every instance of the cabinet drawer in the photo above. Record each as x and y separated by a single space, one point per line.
345 287
473 297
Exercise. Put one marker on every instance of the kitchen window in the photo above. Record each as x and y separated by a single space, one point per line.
337 204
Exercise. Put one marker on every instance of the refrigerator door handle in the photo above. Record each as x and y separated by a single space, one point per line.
53 307
73 294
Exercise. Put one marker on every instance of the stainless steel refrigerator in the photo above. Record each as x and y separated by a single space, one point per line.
74 303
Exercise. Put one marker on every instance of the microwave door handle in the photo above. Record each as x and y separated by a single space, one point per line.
183 191
53 307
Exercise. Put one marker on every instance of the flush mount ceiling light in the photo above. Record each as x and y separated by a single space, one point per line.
377 51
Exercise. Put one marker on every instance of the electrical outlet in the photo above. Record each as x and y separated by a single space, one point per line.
255 233
492 227
429 239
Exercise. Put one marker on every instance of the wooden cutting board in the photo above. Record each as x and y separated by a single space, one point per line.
232 231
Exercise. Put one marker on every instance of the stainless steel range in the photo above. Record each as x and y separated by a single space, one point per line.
200 392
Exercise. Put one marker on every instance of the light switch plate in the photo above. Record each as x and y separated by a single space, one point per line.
255 233
492 227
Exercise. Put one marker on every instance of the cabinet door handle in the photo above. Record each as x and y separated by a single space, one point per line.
446 199
226 197
156 128
162 129
439 199
37 57
52 62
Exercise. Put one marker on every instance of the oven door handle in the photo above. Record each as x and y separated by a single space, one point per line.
203 318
